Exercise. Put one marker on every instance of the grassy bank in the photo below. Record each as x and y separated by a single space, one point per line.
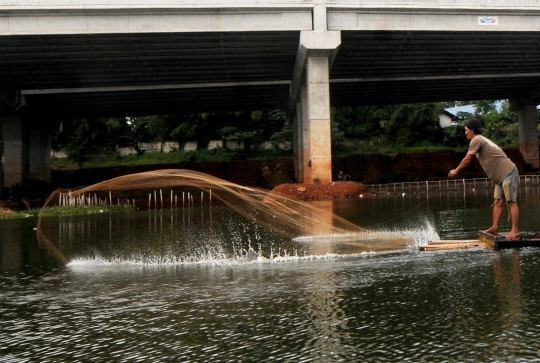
341 150
110 160
65 211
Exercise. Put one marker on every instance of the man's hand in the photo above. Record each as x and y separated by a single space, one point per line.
452 173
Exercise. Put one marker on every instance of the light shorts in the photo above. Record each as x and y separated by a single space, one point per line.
507 190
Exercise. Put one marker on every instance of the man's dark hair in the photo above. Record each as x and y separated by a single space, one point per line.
475 125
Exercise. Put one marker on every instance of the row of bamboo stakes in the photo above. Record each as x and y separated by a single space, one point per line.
67 200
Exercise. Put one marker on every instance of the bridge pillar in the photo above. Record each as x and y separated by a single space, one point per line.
317 121
40 155
528 135
299 137
26 151
16 154
302 167
310 96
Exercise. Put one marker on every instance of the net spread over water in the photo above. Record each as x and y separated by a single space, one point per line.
162 189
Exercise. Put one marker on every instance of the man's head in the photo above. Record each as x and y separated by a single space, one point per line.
475 126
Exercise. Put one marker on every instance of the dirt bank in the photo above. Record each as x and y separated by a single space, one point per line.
269 174
334 190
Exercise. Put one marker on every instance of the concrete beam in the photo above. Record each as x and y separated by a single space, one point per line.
50 91
312 44
434 16
319 16
406 4
124 16
152 19
114 4
458 77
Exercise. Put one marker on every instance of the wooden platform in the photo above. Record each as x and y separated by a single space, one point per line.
525 239
452 245
485 240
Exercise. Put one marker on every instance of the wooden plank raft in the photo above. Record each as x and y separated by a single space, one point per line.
486 240
525 239
452 244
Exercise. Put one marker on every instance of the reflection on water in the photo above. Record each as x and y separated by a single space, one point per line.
19 250
475 305
201 234
160 236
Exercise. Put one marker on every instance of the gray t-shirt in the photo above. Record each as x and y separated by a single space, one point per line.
493 160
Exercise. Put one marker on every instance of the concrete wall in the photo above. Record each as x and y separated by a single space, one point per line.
445 120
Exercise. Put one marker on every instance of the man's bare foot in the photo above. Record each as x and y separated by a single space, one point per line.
512 235
493 231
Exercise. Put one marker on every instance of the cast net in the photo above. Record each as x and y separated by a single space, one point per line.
173 187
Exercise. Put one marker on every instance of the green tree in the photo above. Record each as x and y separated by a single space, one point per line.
411 124
483 107
138 130
454 136
501 126
252 128
283 136
83 138
359 122
158 127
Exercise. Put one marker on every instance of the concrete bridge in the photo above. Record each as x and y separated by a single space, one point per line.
81 58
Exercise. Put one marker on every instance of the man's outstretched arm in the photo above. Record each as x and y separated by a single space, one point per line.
464 163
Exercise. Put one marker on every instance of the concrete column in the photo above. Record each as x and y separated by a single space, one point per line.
16 149
306 137
319 16
40 155
310 91
1 152
528 135
298 141
318 101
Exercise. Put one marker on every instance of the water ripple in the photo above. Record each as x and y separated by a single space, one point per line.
479 306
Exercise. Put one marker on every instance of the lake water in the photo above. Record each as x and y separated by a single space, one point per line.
181 286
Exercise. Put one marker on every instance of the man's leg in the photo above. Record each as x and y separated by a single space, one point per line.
514 214
497 214
510 188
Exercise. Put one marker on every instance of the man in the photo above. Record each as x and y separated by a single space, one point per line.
498 168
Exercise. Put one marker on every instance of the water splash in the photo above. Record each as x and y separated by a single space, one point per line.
420 234
310 229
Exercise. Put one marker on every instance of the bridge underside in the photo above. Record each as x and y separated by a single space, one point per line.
144 74
308 67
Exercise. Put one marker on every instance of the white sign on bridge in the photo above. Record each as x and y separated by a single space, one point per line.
488 20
